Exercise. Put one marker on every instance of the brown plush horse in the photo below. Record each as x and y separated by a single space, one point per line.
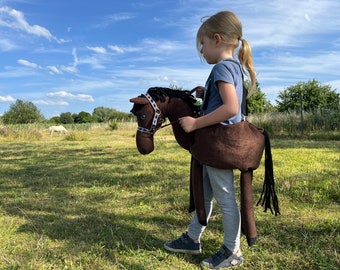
208 146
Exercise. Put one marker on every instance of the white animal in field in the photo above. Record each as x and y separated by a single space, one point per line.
59 129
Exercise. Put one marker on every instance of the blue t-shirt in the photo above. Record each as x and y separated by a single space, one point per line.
229 72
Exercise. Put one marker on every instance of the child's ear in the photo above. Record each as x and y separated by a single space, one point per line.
217 38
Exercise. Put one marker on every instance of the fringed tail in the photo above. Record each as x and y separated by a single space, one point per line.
268 195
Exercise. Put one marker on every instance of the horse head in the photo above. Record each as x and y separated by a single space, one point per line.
152 108
148 115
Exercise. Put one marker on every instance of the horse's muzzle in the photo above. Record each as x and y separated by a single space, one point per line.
144 143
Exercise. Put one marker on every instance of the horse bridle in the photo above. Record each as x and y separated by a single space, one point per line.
158 112
153 128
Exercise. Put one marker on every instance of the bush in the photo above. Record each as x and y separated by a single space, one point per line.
76 136
21 133
113 125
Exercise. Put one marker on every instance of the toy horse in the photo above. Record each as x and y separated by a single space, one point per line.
151 110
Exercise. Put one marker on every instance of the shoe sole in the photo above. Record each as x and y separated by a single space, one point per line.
206 265
193 252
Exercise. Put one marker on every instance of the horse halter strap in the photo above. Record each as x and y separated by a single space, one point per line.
155 117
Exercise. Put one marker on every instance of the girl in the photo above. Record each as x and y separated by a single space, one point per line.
217 39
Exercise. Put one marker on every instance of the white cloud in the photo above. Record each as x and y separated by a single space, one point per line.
27 63
61 40
94 61
6 99
334 84
163 46
84 97
108 20
69 69
73 67
163 78
7 45
64 94
127 49
16 20
116 48
97 49
120 17
50 102
54 69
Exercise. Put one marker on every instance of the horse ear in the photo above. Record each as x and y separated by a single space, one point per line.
139 100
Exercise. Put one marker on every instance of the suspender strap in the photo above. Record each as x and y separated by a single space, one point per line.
244 107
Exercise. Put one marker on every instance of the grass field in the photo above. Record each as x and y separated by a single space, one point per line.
93 202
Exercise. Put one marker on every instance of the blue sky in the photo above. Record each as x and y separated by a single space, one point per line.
76 55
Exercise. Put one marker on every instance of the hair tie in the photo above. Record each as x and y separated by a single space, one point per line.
240 39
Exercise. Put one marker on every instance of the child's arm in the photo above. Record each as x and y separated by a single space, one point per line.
228 109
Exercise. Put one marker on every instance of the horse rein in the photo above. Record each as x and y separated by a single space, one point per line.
154 128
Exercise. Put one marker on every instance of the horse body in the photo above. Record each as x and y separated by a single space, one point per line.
59 129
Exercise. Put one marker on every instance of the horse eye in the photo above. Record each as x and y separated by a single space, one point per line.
143 117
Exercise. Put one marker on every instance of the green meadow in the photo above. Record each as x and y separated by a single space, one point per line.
89 200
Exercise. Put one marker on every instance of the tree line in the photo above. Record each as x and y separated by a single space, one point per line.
308 96
25 112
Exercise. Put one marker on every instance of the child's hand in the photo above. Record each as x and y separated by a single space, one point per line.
199 91
187 123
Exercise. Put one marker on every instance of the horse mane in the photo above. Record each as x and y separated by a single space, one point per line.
160 93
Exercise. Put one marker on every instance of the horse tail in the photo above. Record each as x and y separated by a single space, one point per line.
268 195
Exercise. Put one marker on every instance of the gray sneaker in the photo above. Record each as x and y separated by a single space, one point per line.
223 258
184 244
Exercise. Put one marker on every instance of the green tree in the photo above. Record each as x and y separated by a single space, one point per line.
22 112
309 96
257 102
66 118
55 120
84 117
102 114
117 115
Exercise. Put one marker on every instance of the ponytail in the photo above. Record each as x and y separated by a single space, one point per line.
246 60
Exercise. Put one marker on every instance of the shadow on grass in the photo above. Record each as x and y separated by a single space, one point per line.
69 192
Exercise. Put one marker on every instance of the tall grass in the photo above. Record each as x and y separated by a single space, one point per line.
321 125
36 132
312 125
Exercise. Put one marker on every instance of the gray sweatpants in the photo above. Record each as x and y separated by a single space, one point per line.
219 184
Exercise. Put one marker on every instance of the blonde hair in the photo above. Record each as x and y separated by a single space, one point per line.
229 27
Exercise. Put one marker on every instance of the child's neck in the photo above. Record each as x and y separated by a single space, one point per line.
226 54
